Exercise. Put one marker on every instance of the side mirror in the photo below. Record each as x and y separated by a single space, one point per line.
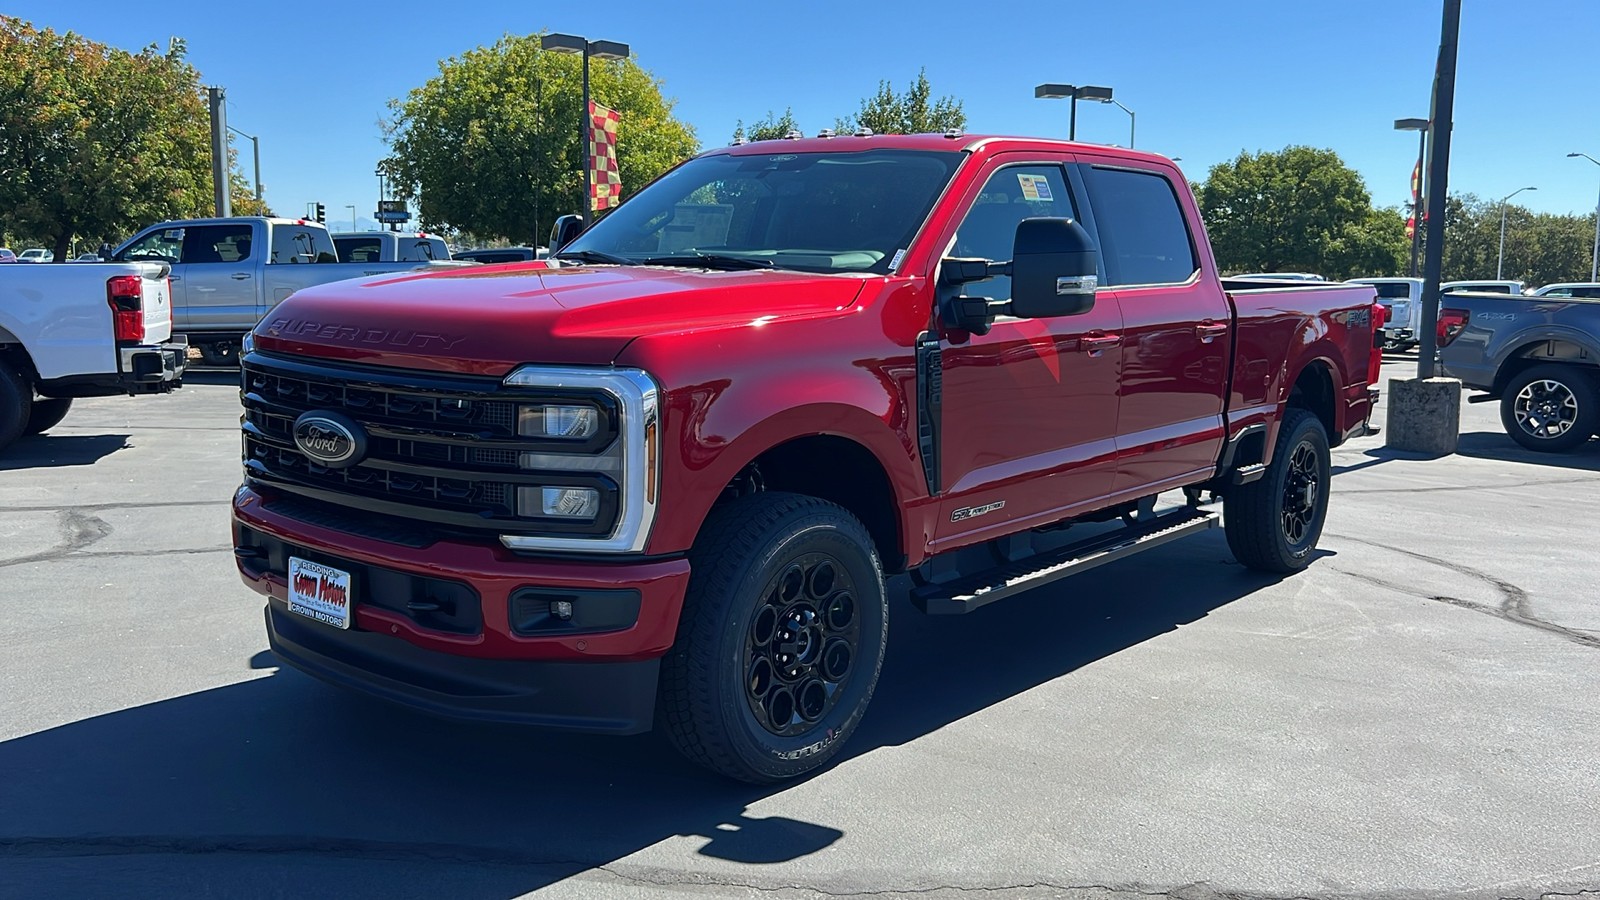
565 231
1053 269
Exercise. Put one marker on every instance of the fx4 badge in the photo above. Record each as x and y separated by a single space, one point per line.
972 512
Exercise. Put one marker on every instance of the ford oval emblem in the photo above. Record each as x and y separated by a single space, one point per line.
330 439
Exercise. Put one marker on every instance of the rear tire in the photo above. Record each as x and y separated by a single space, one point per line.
16 399
781 639
224 354
1273 523
47 414
1551 408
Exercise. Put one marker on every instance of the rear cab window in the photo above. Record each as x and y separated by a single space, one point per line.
359 249
292 244
1144 237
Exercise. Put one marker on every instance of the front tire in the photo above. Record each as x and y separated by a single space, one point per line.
781 639
223 354
1551 408
1273 523
46 414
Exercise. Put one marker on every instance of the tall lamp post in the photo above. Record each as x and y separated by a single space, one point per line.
1421 127
1500 264
1073 93
352 208
255 154
1594 265
571 43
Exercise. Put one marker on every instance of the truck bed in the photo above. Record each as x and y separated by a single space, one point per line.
1500 329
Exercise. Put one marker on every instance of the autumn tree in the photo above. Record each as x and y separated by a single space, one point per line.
1298 209
491 145
96 141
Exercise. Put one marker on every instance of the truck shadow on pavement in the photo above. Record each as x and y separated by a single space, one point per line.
283 775
1496 445
55 450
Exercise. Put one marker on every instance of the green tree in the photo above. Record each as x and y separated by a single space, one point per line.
912 112
885 111
1539 247
771 128
490 145
96 141
1298 209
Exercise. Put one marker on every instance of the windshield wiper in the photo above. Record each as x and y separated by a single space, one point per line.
709 261
597 256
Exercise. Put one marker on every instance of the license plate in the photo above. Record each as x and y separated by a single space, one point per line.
319 592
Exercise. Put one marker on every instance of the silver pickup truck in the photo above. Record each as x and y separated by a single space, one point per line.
227 273
1538 356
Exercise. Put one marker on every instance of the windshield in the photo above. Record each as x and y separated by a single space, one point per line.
816 212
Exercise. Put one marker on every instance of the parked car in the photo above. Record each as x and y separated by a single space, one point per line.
88 257
503 254
37 255
1403 298
1482 287
77 331
228 273
1569 289
389 246
7 255
672 474
1538 356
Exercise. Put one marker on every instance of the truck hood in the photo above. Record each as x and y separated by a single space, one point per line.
486 320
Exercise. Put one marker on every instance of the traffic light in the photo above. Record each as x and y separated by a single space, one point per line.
322 214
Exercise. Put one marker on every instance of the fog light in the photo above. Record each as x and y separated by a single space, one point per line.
568 422
561 609
558 502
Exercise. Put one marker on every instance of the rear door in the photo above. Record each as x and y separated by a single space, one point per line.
218 271
1176 323
1029 410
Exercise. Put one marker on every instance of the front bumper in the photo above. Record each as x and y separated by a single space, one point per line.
469 660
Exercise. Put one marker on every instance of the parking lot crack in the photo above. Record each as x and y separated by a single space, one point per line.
1515 604
78 530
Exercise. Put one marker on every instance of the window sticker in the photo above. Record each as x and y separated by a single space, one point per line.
1034 187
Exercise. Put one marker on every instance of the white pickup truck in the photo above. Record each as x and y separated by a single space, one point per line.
227 273
389 246
82 331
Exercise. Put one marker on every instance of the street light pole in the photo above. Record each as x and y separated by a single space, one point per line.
352 208
1131 119
1421 127
572 43
1594 264
1499 266
255 154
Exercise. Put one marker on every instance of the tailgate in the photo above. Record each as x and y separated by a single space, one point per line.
157 304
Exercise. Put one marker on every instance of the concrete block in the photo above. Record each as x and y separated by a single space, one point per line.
1424 415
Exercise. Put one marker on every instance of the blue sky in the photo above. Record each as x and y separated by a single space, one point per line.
1207 78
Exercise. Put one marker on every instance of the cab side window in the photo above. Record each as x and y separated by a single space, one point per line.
1144 238
216 244
1010 195
163 244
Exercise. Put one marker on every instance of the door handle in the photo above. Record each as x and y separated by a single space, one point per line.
1097 343
1210 331
174 277
241 276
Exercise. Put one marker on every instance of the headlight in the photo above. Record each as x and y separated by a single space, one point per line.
596 437
564 422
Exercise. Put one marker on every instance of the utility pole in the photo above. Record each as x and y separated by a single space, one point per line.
1444 100
219 150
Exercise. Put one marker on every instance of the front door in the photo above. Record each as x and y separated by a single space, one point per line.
1176 339
1029 412
218 276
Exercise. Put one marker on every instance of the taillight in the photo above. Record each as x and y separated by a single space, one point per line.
125 295
1380 317
1383 314
1451 323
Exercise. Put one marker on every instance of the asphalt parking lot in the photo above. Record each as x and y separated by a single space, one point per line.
1416 715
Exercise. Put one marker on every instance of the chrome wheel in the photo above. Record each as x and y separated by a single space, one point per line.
1301 486
801 645
1545 409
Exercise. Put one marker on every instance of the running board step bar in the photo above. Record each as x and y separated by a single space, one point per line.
982 588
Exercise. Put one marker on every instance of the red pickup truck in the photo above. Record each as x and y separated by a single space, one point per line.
664 480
